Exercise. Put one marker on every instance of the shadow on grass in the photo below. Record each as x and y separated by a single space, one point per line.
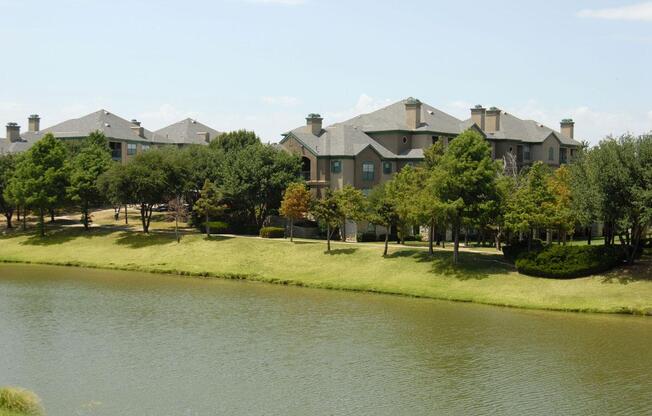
218 238
140 239
340 251
305 242
471 266
60 235
641 271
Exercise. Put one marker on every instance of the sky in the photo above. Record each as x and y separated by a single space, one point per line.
263 65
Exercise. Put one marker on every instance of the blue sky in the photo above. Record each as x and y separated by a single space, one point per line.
265 64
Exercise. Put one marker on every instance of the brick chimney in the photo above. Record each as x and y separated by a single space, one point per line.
492 120
137 129
13 132
568 127
478 115
34 123
314 121
413 113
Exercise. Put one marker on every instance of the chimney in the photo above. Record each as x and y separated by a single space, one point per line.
34 123
13 132
314 122
205 136
137 129
413 113
568 127
492 120
478 115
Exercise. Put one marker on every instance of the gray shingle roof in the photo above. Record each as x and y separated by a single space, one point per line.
348 138
187 132
392 118
528 131
111 125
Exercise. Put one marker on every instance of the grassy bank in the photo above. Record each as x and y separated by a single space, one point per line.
482 277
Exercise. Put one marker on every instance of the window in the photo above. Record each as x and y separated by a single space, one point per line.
367 171
387 168
336 166
551 154
562 155
116 150
404 139
131 149
526 152
145 147
366 192
435 139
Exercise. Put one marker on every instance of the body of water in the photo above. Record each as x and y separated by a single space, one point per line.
93 342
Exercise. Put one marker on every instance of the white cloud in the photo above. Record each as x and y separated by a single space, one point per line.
281 2
365 104
639 11
282 100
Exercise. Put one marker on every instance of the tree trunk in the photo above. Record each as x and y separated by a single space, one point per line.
386 242
208 227
85 216
529 241
291 229
143 217
8 216
41 220
456 243
176 219
18 213
431 238
51 215
589 231
126 216
328 238
343 230
497 240
24 219
466 237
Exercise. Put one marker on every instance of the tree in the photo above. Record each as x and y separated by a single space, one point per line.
584 191
465 181
530 206
147 175
382 211
295 204
351 203
253 181
92 160
7 167
327 211
404 191
209 204
235 140
562 218
115 186
178 180
41 176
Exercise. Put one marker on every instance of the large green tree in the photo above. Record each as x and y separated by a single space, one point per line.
235 140
253 181
7 167
351 203
209 204
295 204
466 181
91 161
382 211
327 212
42 177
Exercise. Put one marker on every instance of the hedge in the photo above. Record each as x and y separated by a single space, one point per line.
367 237
272 232
517 248
568 262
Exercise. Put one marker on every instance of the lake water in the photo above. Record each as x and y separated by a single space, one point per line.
93 342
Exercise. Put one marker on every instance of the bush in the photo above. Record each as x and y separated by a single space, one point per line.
367 237
517 248
416 237
216 226
20 401
272 232
568 262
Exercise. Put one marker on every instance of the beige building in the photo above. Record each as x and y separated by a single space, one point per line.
368 149
126 138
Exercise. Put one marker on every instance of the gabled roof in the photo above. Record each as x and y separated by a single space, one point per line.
350 137
111 125
528 131
393 118
188 131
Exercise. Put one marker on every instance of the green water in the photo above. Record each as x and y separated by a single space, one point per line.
93 342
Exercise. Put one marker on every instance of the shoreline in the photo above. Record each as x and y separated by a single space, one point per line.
289 282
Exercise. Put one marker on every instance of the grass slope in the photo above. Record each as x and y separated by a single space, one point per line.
482 278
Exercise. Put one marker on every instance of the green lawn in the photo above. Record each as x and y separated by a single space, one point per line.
482 277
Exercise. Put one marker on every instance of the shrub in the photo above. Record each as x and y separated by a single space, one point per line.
568 262
216 226
272 232
517 248
367 237
20 401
